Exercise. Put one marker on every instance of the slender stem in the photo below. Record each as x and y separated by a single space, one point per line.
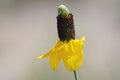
76 76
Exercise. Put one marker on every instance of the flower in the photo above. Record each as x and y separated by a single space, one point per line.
68 49
70 52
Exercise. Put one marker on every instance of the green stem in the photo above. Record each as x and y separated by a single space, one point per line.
76 76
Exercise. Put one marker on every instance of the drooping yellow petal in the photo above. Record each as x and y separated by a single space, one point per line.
46 54
59 45
55 57
73 55
50 52
54 60
72 63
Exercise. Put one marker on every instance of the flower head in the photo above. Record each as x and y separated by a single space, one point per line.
68 49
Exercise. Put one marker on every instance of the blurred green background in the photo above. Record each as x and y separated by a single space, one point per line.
28 29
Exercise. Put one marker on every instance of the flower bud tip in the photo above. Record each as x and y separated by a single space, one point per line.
63 10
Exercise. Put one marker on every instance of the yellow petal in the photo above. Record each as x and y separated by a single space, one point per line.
76 48
73 55
72 63
43 56
54 60
60 45
46 54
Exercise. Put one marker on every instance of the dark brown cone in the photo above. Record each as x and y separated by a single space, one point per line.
65 26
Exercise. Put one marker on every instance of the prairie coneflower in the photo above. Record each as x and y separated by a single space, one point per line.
67 48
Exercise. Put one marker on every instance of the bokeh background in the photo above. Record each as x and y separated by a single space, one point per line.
28 29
